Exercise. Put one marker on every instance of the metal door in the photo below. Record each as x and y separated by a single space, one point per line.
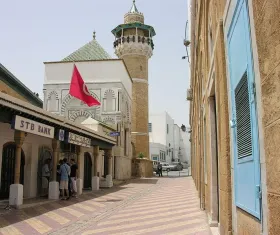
8 169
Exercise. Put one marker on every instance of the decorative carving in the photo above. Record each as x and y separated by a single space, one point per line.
81 113
53 94
137 48
67 99
109 120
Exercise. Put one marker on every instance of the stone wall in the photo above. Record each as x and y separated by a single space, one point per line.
209 84
138 68
267 27
143 167
8 90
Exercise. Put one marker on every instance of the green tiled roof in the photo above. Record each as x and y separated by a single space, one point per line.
90 51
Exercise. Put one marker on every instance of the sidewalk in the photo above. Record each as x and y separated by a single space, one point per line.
141 206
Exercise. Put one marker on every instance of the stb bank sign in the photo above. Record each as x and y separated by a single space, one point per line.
30 126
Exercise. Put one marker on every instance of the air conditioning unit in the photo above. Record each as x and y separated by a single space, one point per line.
189 95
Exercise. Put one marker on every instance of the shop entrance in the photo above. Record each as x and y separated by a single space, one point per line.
44 154
8 169
87 171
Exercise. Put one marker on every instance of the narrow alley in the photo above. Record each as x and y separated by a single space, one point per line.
141 206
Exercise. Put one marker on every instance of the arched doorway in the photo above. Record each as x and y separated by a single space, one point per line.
8 169
87 171
44 154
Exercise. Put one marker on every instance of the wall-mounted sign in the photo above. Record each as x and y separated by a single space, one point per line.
61 135
30 126
113 134
78 140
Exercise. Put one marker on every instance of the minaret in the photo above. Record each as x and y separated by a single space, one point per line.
134 44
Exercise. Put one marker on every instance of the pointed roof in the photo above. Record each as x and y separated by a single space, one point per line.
134 8
91 51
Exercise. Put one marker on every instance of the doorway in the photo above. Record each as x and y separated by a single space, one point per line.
44 154
214 213
87 171
8 169
106 162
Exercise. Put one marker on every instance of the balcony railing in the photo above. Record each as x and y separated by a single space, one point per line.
133 38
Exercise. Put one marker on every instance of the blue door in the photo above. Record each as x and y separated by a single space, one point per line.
244 118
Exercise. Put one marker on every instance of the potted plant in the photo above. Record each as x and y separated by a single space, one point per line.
141 155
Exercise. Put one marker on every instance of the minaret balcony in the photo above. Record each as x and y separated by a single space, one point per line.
134 39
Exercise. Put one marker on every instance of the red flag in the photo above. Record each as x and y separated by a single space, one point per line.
79 90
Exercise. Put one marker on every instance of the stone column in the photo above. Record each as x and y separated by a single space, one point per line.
110 162
95 179
109 177
80 154
16 189
54 185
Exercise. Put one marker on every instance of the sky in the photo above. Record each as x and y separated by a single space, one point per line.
33 32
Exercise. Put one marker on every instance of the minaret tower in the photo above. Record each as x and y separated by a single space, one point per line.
134 44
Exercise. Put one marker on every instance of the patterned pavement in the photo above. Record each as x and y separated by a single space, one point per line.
143 206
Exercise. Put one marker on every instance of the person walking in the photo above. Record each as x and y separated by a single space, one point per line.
159 169
73 176
65 171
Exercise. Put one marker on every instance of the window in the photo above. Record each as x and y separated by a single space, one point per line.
167 129
155 157
150 127
109 101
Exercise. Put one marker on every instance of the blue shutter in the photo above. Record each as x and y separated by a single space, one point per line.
244 118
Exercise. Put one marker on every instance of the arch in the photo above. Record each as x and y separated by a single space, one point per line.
82 113
87 170
53 94
109 101
67 99
45 152
109 120
8 168
53 102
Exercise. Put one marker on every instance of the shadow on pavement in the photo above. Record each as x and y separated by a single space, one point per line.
39 206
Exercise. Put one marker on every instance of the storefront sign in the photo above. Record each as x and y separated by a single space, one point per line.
30 126
113 134
78 140
61 135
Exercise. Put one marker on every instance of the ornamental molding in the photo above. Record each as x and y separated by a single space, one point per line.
134 48
67 99
140 80
81 113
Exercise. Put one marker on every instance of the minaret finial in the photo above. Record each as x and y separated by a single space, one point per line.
94 35
134 8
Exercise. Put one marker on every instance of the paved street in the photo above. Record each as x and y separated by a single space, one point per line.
142 206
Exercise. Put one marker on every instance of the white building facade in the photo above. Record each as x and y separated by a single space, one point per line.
168 142
109 82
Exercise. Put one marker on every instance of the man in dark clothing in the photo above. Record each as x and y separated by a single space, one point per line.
159 169
73 176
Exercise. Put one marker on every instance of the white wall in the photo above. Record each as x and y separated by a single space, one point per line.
158 150
158 134
91 72
177 141
170 138
174 140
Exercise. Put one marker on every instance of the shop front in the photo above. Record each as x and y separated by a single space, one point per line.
30 137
